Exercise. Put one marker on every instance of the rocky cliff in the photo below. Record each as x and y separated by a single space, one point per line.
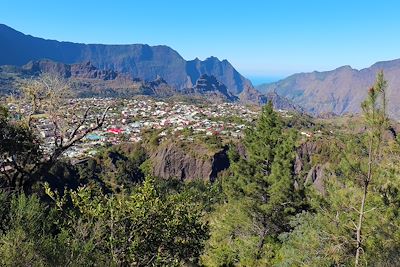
172 160
310 171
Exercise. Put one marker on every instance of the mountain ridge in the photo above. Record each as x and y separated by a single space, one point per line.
338 91
139 60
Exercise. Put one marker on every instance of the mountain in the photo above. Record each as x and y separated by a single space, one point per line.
338 91
139 60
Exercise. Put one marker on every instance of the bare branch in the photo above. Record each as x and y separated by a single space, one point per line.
83 120
55 131
77 137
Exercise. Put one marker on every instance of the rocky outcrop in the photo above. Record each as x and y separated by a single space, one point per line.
316 177
282 103
305 168
172 160
159 87
212 89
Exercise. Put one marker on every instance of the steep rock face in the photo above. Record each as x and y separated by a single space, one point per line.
159 87
306 169
211 88
173 161
339 91
139 60
316 177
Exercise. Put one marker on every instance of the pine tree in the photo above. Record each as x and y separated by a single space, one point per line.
260 192
374 108
356 221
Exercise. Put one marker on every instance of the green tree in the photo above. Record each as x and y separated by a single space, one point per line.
140 229
261 196
19 146
327 237
357 219
19 154
26 232
374 108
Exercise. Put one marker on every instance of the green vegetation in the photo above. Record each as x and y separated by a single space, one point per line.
266 209
260 199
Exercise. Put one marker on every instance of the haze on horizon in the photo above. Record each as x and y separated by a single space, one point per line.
264 40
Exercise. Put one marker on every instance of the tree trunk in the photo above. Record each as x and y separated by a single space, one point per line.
261 243
262 236
359 226
363 201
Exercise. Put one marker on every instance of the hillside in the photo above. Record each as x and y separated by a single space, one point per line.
339 91
139 60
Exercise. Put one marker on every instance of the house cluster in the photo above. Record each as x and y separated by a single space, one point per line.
127 119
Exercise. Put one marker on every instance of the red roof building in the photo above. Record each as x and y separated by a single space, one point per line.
115 130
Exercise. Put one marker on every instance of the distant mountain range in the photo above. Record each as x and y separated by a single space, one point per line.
139 60
339 91
88 81
124 70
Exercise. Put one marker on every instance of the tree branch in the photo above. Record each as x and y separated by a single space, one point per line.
83 120
75 136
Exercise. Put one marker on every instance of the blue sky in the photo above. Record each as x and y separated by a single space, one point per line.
264 40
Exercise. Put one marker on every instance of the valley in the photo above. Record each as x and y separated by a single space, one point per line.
118 150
